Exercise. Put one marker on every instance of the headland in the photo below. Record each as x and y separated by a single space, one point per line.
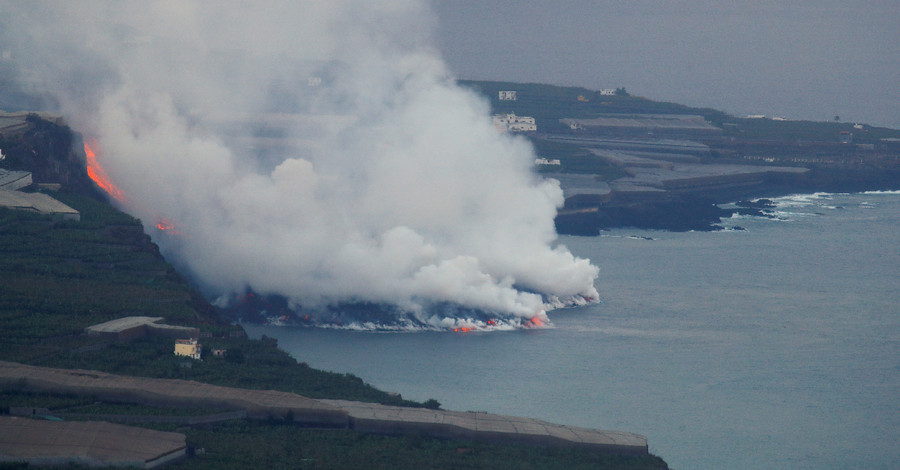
626 161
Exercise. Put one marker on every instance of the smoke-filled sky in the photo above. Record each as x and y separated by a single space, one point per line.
800 59
386 183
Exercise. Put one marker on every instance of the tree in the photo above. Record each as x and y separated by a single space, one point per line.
234 355
432 404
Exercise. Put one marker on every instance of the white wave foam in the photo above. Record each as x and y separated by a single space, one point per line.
458 325
889 193
802 200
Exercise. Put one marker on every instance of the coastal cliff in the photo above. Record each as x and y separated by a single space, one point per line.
61 276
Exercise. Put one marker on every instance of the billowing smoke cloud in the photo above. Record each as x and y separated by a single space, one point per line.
317 150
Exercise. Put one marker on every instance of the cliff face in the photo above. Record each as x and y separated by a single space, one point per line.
48 149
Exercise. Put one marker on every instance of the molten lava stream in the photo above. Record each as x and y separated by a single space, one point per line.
167 227
99 176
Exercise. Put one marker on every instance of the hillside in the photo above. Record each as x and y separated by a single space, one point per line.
58 277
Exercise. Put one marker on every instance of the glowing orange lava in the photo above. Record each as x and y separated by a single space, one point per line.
536 321
98 175
167 227
463 329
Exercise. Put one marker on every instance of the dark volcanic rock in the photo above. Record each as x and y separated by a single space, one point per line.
678 214
762 203
683 212
51 152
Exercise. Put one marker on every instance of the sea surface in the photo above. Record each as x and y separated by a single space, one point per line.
773 347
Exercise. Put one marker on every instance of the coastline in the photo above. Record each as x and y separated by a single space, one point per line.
699 208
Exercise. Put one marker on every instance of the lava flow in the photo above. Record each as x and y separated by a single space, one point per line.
167 227
535 321
99 176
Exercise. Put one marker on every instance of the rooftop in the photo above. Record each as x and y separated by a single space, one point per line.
121 324
13 180
470 424
36 202
647 121
89 443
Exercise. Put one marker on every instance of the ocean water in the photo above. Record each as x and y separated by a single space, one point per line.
774 347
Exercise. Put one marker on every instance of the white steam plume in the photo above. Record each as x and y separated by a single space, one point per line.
385 182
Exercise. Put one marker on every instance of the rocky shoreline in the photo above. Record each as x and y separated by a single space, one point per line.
700 209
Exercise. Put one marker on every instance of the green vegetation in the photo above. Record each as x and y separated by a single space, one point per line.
261 365
59 277
9 396
247 444
140 410
56 278
244 443
82 404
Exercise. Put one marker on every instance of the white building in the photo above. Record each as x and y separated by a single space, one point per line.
545 161
608 92
509 122
508 95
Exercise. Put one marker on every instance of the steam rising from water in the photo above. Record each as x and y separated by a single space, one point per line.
320 151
